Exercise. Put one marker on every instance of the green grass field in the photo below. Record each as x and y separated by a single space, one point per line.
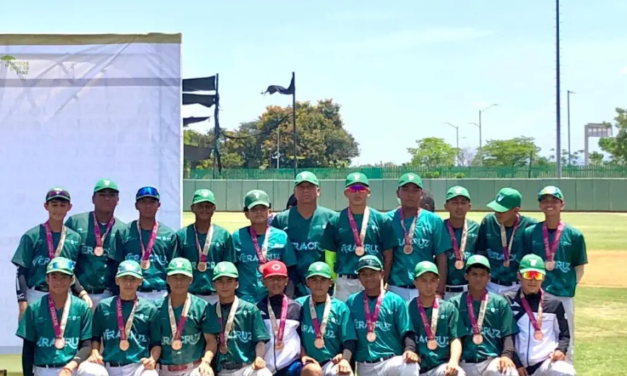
601 327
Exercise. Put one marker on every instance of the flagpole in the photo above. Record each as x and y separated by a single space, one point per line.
216 130
294 124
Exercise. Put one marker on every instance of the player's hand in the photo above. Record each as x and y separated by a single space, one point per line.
505 363
337 359
307 360
343 367
259 363
451 368
65 372
23 306
87 300
522 371
148 363
95 357
205 369
557 355
411 357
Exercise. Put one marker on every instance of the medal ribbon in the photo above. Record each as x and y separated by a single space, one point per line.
262 252
371 321
225 330
202 253
477 324
52 253
278 331
550 250
537 324
431 330
177 328
100 239
123 328
146 251
359 237
459 250
409 235
320 329
59 329
508 248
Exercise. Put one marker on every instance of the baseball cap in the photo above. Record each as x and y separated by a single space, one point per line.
308 177
319 269
103 184
129 268
457 191
506 199
61 265
477 260
410 178
551 191
58 193
203 195
147 192
274 268
356 178
256 197
181 266
425 267
225 269
532 263
369 262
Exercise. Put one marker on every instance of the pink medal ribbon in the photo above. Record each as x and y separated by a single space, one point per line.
477 323
371 320
280 329
551 249
537 324
52 252
124 328
59 327
409 235
147 251
262 252
99 250
359 237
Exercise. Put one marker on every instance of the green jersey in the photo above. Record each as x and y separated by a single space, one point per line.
306 237
248 330
449 328
571 252
455 276
339 329
489 244
32 253
497 324
193 339
338 237
128 248
145 329
95 273
430 239
221 249
36 326
392 325
280 248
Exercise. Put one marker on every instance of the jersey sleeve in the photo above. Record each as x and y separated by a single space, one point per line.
155 327
96 328
580 256
289 256
328 242
211 324
24 253
260 332
482 241
26 328
527 247
441 239
229 249
180 244
70 223
403 322
347 332
454 326
276 223
173 246
120 238
86 323
508 325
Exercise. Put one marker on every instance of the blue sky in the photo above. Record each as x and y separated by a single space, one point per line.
399 71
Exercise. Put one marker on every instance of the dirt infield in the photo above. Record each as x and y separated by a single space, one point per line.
606 269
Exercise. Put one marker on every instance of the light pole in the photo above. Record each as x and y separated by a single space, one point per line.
568 93
457 139
479 125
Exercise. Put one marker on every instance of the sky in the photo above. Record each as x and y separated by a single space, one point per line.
399 69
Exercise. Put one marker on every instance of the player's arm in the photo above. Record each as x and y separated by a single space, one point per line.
564 334
482 241
210 348
579 244
28 357
329 245
20 290
390 241
441 261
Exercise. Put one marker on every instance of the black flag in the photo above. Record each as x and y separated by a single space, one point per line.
206 100
191 120
281 90
199 84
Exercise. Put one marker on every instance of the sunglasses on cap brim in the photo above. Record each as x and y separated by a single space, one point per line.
532 275
62 195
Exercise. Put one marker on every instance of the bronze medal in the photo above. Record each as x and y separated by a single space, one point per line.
506 263
98 251
145 264
177 344
408 249
319 343
550 265
59 343
459 265
223 349
279 345
124 345
202 267
371 337
538 336
359 251
432 344
477 339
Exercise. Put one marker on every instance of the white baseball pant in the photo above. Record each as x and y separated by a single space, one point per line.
405 293
489 367
153 295
43 371
94 369
345 287
559 368
394 366
97 298
190 369
245 371
441 371
330 369
569 309
33 295
502 290
457 290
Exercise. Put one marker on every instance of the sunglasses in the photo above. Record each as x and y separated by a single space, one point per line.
147 191
357 188
533 275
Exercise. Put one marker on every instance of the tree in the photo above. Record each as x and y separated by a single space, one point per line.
433 152
596 158
515 152
616 147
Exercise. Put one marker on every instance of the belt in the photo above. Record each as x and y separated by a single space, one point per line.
349 276
209 293
458 288
503 283
179 367
151 290
378 360
51 365
234 366
41 288
410 287
117 364
475 361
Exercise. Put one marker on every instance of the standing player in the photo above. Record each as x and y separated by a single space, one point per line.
358 230
148 242
436 324
95 267
204 244
501 240
257 244
56 328
327 332
427 202
563 248
304 225
463 233
421 237
385 341
488 325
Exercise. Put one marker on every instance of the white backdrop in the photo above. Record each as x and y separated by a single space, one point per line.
74 109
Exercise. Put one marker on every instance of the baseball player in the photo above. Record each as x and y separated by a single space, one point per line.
150 243
257 244
501 240
187 340
95 267
427 202
240 328
304 224
56 328
357 230
385 340
488 324
563 248
543 337
463 233
436 324
41 244
204 244
421 236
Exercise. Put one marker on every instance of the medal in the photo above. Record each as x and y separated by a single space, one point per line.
359 237
371 337
507 248
145 264
99 249
54 252
538 336
202 267
536 323
320 329
432 344
225 330
408 249
278 345
262 252
477 323
458 249
506 263
431 328
177 344
147 251
459 265
124 328
59 343
204 251
59 327
371 320
550 265
477 339
409 235
319 343
177 327
124 345
223 349
278 330
551 249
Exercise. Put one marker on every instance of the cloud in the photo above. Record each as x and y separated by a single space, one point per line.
624 70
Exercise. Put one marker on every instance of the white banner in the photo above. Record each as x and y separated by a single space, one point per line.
74 109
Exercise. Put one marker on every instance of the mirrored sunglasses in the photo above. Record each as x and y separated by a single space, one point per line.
533 275
357 188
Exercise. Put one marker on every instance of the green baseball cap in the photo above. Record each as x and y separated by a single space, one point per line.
369 262
181 266
457 191
477 260
319 269
410 178
551 191
58 193
129 268
506 199
256 197
532 263
425 267
203 195
356 178
61 265
308 177
103 184
225 269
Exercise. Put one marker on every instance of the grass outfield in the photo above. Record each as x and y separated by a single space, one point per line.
601 326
